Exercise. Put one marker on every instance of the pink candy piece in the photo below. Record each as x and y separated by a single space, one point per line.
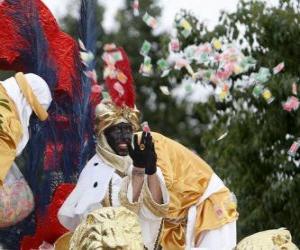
294 148
278 68
174 45
291 104
119 88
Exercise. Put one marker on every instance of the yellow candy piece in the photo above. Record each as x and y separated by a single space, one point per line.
267 94
185 24
217 44
237 69
122 77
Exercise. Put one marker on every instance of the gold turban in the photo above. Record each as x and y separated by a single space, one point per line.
277 239
108 228
107 114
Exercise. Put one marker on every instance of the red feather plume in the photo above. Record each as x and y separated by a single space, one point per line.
120 81
62 47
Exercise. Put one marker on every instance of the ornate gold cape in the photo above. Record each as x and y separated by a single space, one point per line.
187 177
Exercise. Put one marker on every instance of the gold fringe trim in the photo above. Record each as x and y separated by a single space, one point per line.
132 206
159 210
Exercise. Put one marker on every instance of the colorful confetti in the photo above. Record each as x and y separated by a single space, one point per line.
164 90
294 148
150 20
278 68
136 7
267 95
146 47
291 104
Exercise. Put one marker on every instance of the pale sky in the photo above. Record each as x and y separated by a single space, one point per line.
205 10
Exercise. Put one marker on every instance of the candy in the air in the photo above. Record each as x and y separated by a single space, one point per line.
222 136
292 103
294 89
257 90
294 148
121 77
86 57
146 68
150 20
278 68
146 47
164 90
163 66
187 28
109 47
105 95
267 95
263 75
217 44
135 7
119 88
174 45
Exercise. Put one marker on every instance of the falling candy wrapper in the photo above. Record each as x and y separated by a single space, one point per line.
292 103
217 44
294 148
109 46
86 57
278 68
263 75
222 136
257 90
105 95
267 95
174 45
119 88
121 77
136 6
187 28
294 89
112 57
150 20
146 68
146 47
145 127
163 66
164 90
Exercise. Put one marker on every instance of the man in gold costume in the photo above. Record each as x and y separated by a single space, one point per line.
181 202
113 178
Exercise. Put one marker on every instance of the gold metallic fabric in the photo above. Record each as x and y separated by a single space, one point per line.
277 239
63 242
108 114
108 228
30 97
187 177
10 133
132 206
160 210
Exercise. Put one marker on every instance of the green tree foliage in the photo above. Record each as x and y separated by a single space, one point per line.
132 32
253 158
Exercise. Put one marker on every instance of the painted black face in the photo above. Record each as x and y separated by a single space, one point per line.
118 137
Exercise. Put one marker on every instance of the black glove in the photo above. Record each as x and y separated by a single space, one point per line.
143 154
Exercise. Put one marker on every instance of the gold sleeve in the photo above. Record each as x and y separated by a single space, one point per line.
132 206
